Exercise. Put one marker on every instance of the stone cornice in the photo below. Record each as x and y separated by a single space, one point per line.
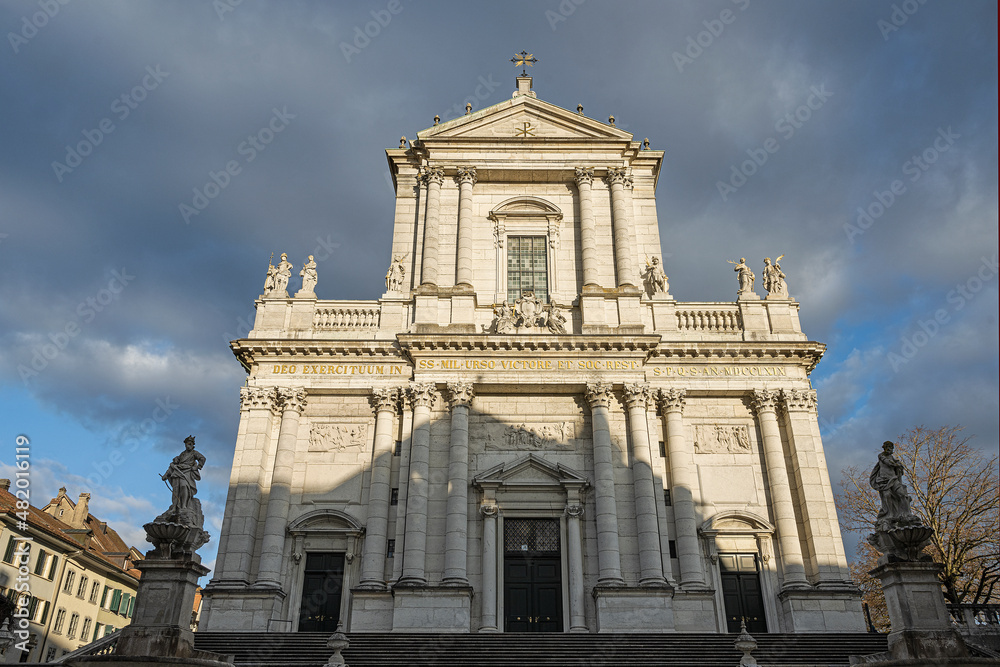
248 351
475 342
808 353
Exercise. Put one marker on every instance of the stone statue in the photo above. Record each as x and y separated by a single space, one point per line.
272 274
505 321
556 321
309 278
182 475
282 274
394 276
774 280
744 275
655 278
899 534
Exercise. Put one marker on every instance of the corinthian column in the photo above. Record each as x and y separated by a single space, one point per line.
574 558
588 225
429 265
373 561
457 522
422 395
683 486
608 555
466 179
293 402
637 397
764 403
621 220
489 512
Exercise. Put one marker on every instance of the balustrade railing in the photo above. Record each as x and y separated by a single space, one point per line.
976 618
713 320
347 316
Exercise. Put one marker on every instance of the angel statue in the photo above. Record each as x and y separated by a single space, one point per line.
654 277
744 275
774 279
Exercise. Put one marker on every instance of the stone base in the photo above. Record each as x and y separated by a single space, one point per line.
694 611
371 611
432 609
246 609
130 661
634 609
817 610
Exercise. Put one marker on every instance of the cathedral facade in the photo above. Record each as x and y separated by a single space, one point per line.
526 432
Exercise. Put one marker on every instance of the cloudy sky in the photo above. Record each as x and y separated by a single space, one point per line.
873 125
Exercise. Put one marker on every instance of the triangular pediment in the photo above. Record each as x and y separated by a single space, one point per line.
530 470
523 119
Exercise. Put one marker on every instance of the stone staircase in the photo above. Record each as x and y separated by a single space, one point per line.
253 649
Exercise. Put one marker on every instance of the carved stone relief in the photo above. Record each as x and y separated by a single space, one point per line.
529 437
337 437
721 439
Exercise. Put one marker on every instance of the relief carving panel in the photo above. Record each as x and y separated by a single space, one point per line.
337 437
721 439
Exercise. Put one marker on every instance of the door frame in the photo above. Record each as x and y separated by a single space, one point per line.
563 563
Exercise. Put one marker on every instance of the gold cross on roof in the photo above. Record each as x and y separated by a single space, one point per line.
524 60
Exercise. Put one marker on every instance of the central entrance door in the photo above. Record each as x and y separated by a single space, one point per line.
321 589
741 592
532 576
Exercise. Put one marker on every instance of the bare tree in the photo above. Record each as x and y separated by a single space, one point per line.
954 490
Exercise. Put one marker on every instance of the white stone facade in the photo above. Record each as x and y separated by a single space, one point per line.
408 421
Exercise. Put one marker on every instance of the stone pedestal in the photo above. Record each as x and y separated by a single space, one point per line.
646 609
371 611
432 609
920 624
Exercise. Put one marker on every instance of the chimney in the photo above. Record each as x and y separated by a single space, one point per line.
81 511
4 485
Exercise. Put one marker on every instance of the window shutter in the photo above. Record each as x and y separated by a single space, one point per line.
45 613
52 568
116 601
8 553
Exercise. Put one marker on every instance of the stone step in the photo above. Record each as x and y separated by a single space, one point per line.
542 650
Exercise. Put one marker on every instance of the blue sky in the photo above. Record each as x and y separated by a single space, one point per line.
886 107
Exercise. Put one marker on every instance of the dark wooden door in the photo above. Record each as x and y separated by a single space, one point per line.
321 590
741 592
532 576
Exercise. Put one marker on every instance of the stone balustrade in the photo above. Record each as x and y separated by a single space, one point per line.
714 318
347 315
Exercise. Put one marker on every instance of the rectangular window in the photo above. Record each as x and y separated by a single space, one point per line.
666 497
52 568
85 630
663 450
104 598
50 655
390 550
527 267
74 621
97 631
68 581
81 590
45 613
398 451
40 563
95 590
116 601
123 609
8 553
394 497
60 619
673 548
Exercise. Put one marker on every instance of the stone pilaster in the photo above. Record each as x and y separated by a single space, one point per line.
466 179
764 403
384 402
574 558
588 225
434 177
608 555
422 395
683 488
406 417
457 521
621 220
637 398
489 592
293 402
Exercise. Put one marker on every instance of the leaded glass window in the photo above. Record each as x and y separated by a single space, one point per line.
527 267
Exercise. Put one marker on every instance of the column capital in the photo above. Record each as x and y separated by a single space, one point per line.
637 395
466 175
433 175
584 175
764 400
599 394
385 399
459 394
257 398
291 398
574 510
423 394
618 175
489 510
672 400
799 399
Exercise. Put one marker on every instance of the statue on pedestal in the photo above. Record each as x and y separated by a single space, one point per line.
744 275
556 321
505 321
180 528
309 278
774 280
654 278
272 274
282 274
899 534
394 276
